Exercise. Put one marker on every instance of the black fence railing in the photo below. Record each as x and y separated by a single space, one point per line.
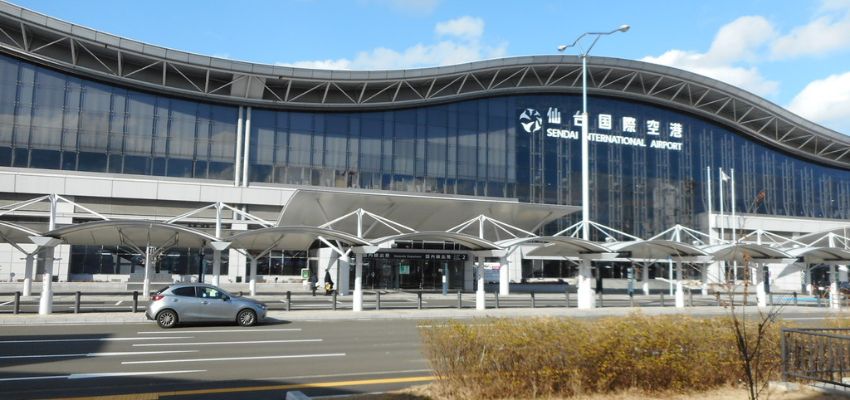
817 355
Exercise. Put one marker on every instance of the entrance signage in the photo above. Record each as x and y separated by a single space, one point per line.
621 130
416 256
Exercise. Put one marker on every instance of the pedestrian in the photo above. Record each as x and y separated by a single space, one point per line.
314 281
329 283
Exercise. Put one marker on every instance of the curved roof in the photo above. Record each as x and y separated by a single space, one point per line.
62 45
739 252
471 242
821 255
289 237
133 233
656 249
557 246
14 233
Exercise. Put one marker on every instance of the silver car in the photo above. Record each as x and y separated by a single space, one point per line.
193 302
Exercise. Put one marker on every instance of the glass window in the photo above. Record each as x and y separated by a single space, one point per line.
188 291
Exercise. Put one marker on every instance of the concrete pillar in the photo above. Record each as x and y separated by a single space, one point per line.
504 277
252 285
45 303
758 280
479 294
809 286
644 270
146 286
717 272
680 288
703 274
586 295
28 274
357 303
216 268
344 268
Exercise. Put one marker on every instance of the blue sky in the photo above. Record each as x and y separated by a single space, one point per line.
793 53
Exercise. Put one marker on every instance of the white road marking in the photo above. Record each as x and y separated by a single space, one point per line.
233 358
6 303
99 375
216 343
94 339
220 331
347 374
119 302
112 354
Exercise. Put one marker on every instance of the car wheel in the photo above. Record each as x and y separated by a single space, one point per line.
166 319
246 318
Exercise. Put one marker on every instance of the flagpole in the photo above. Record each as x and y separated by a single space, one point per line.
720 189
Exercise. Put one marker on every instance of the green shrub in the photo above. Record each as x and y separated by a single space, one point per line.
528 358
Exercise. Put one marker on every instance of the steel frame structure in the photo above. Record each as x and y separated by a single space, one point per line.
61 45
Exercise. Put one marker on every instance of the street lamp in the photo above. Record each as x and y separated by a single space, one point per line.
585 145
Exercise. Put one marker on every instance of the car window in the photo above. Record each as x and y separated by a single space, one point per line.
209 293
185 291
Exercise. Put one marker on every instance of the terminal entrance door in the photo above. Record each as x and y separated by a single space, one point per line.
409 274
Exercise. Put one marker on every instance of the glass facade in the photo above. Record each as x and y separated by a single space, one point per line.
53 120
648 163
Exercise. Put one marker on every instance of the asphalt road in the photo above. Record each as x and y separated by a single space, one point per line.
211 362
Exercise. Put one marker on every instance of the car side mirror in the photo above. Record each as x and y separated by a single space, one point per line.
226 298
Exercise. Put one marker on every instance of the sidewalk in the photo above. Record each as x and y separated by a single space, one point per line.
425 314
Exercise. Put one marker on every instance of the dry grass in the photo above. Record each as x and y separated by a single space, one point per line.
560 358
428 392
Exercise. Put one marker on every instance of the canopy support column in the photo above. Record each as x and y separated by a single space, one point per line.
703 274
146 286
834 296
644 270
680 289
761 293
504 277
586 298
48 247
357 303
479 293
28 273
252 285
216 267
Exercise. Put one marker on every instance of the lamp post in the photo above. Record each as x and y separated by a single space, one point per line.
585 123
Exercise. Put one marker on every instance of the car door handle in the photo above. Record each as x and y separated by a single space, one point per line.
205 302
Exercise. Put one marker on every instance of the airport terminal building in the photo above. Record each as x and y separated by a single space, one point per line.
96 127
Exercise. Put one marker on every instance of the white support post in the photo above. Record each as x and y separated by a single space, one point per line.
808 280
357 304
479 294
252 285
586 298
238 162
45 304
680 288
504 277
670 276
761 294
834 296
146 286
703 273
28 271
644 269
216 267
343 267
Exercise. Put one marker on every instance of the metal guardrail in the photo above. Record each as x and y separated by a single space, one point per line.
817 354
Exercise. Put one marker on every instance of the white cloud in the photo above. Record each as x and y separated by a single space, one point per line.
464 27
820 36
735 43
826 101
464 46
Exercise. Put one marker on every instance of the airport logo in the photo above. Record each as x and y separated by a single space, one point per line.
530 120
